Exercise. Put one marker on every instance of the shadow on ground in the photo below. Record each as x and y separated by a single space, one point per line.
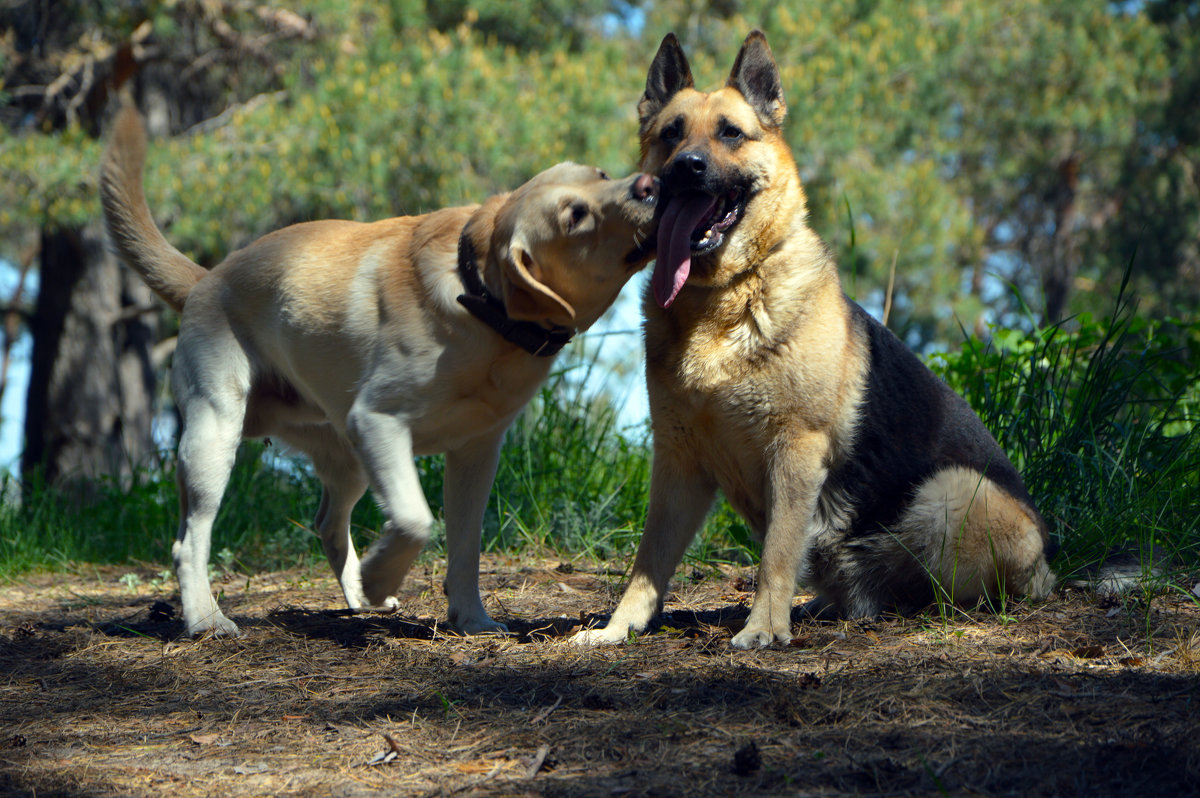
101 697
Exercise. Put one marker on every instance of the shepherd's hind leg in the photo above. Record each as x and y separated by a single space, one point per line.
976 539
818 608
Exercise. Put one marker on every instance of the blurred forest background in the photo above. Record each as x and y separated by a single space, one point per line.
1008 161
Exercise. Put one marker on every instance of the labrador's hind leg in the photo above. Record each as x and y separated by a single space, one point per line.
207 449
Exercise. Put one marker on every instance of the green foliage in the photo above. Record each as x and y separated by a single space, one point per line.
569 478
963 134
539 24
379 121
42 527
1101 418
1159 222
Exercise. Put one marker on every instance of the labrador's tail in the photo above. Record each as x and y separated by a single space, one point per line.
139 242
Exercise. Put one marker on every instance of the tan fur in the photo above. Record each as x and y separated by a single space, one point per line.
976 539
346 340
130 225
760 375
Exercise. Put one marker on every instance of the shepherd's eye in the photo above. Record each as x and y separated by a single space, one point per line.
672 132
731 132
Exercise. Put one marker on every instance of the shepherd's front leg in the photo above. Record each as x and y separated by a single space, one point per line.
794 479
680 497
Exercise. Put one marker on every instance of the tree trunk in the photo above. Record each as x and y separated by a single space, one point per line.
1058 279
92 381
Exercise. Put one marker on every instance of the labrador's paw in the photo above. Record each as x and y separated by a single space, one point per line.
481 626
215 624
474 621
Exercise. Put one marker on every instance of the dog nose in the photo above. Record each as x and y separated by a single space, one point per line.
687 170
693 162
645 187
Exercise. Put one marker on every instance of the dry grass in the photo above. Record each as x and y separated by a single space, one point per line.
99 697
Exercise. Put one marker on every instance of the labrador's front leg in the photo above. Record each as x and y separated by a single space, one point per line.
384 444
470 471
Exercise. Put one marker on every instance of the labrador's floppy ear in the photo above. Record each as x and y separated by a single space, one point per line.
526 298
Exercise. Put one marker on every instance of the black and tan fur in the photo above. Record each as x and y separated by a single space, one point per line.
864 473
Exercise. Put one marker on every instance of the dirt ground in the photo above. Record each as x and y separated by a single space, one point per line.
99 696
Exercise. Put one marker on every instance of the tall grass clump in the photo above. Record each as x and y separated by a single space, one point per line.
262 522
571 479
1100 416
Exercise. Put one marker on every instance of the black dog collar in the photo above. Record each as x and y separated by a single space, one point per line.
485 306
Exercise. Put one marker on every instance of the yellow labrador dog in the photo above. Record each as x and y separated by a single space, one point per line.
363 345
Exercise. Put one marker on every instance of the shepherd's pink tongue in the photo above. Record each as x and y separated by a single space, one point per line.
674 259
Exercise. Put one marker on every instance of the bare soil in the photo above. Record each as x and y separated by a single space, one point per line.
99 695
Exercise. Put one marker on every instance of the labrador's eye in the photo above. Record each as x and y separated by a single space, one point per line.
574 215
603 174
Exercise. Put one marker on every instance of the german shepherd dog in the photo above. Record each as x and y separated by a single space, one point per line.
864 474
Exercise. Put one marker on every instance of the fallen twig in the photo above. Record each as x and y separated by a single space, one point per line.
545 713
538 759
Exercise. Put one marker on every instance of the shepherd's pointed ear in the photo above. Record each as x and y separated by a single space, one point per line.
669 74
756 76
526 298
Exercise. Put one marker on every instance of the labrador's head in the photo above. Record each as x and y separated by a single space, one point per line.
569 239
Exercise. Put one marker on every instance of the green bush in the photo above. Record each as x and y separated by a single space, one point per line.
1100 417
